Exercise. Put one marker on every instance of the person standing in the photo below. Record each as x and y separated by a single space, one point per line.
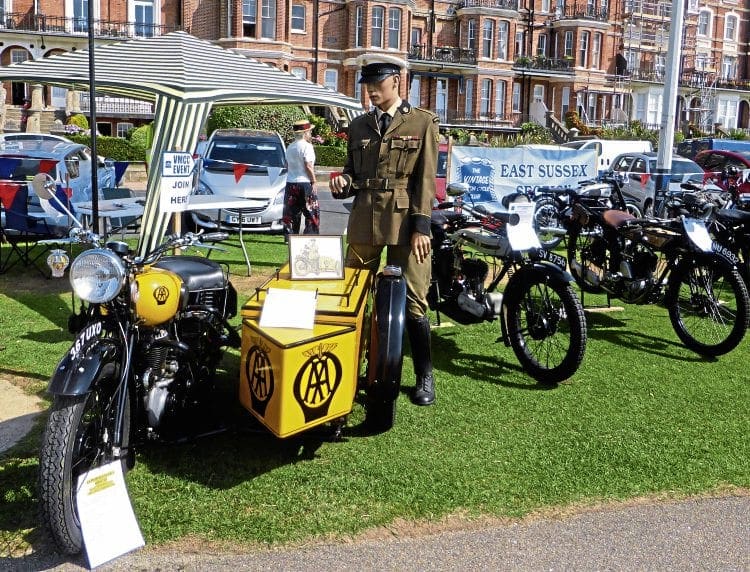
300 197
390 170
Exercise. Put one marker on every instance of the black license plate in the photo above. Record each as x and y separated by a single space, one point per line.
554 258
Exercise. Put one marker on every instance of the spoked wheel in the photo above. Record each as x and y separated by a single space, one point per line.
547 223
633 209
708 307
78 437
547 328
588 256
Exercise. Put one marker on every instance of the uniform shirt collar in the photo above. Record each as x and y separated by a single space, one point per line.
391 110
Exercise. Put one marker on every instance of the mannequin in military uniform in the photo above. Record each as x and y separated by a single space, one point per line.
390 169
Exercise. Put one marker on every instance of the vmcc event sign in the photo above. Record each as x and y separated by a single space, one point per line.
177 176
494 172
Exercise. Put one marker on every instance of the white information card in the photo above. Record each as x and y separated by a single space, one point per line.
284 308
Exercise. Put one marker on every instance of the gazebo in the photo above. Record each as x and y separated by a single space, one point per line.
184 77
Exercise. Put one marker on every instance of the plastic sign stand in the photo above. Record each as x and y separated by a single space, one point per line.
108 524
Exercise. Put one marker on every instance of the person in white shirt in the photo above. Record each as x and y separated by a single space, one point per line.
300 197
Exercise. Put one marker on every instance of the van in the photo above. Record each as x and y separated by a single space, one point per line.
691 147
608 149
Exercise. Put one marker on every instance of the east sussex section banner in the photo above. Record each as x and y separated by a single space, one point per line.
493 172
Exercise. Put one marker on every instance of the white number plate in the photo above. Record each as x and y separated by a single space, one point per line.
234 219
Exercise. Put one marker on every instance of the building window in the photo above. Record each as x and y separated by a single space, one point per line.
596 51
485 96
268 19
701 61
123 128
568 45
520 44
80 15
545 5
730 27
299 72
500 87
359 26
704 23
583 49
541 45
378 14
357 86
249 10
331 79
471 35
502 40
394 28
516 100
729 67
565 101
298 17
726 112
469 107
416 41
488 35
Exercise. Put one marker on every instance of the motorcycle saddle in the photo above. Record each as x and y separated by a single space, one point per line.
616 218
732 217
197 273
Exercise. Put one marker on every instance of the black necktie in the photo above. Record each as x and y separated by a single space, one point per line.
385 121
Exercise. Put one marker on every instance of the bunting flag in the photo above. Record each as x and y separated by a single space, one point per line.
46 165
8 193
239 170
8 166
120 168
644 179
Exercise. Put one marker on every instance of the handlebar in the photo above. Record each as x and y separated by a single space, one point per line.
506 217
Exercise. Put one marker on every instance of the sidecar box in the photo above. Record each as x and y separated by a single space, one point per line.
293 379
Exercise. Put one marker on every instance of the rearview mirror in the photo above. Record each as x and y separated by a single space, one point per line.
457 189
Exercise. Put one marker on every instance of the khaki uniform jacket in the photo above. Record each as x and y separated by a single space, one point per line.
392 177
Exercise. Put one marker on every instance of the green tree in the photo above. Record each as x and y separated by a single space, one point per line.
277 118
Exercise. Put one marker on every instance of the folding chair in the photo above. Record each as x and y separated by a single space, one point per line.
22 231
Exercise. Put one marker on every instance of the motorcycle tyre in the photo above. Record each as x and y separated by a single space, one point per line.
550 206
57 497
733 278
633 209
515 299
574 253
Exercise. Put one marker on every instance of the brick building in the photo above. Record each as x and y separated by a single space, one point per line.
485 64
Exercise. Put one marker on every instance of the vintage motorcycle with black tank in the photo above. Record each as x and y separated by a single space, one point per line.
150 334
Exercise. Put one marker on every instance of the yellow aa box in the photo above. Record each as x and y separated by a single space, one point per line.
293 379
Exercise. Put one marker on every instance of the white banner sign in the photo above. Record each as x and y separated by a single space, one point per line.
177 172
493 172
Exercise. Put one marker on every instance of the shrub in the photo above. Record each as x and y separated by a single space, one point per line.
111 147
330 156
79 121
277 118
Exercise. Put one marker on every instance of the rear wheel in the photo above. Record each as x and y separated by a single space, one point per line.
78 437
547 223
708 307
633 209
547 328
588 256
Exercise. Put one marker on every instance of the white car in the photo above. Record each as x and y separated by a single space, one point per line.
242 165
21 159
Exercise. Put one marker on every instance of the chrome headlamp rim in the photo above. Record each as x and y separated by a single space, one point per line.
97 275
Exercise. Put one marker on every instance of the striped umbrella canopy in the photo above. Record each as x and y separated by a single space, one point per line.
184 77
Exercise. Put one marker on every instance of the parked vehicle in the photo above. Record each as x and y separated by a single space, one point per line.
242 163
608 149
540 315
71 170
442 172
649 260
726 169
691 147
638 170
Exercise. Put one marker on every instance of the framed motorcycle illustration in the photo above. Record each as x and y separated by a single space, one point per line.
316 257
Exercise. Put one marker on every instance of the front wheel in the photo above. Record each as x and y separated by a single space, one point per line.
708 307
588 256
547 328
78 437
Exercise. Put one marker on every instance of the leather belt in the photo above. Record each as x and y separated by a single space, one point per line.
380 184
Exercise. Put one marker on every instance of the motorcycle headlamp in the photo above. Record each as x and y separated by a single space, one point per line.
97 275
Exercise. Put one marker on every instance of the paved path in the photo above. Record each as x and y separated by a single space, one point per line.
698 534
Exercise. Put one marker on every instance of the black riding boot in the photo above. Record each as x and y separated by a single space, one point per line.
419 338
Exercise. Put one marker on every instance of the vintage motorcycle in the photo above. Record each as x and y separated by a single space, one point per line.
650 260
541 317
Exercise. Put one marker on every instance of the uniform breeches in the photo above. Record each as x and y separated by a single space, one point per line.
416 275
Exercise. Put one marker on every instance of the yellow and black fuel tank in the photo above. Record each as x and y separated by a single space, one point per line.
157 295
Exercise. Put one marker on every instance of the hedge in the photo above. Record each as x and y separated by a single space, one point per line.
112 147
330 156
279 118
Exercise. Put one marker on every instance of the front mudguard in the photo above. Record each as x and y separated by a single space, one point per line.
522 276
77 370
386 339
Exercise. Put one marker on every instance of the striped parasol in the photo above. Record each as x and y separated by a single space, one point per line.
184 77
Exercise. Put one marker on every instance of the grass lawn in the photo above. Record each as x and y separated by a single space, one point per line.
642 416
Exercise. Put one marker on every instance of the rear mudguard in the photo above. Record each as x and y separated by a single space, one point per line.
527 273
78 369
386 337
